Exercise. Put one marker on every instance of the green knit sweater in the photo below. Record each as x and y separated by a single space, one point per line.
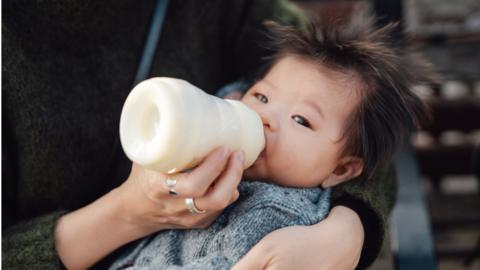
67 69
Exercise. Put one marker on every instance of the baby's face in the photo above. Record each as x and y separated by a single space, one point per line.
303 108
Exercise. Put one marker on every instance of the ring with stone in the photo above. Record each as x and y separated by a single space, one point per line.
190 203
171 183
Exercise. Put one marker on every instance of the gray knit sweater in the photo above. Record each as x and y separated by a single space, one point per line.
260 209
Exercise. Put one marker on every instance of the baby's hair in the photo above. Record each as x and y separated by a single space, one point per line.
388 111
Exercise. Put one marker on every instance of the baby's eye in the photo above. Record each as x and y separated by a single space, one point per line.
261 97
301 120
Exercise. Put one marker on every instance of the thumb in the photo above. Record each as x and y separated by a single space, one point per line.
253 260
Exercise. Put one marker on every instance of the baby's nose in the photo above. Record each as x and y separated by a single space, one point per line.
268 126
269 122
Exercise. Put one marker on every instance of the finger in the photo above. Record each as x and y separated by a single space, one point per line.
190 184
197 181
235 196
201 221
255 259
220 194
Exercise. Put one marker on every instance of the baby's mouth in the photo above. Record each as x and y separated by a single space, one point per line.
263 154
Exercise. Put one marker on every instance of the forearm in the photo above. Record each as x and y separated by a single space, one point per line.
372 199
345 226
85 236
333 243
348 221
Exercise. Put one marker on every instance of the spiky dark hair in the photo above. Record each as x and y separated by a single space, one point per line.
388 111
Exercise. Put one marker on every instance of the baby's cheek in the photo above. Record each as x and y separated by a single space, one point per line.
283 171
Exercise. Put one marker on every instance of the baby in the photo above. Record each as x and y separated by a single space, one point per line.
335 104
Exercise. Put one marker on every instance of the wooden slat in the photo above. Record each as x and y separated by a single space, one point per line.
445 160
454 207
455 242
462 114
456 264
455 223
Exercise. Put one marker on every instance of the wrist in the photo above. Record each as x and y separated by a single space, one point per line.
122 213
128 210
85 236
114 208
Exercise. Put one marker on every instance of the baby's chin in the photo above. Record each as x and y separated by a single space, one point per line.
259 171
252 175
256 172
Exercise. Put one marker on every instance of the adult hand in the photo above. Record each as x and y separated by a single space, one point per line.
212 184
142 205
334 243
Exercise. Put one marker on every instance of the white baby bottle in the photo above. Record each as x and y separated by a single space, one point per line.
169 125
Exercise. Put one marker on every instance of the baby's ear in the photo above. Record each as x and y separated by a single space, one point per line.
349 167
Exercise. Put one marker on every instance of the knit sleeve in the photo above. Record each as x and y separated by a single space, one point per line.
30 245
372 199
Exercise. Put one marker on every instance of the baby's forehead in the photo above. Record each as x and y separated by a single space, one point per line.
300 78
347 78
349 83
346 82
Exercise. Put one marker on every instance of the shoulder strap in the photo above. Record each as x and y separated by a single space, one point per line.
143 70
151 42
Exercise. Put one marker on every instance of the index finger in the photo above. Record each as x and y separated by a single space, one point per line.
197 181
194 183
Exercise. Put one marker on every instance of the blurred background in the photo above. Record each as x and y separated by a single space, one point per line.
445 155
